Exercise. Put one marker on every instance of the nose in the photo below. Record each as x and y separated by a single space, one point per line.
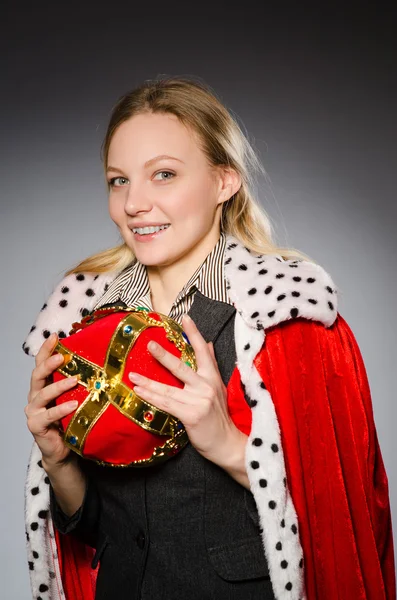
136 202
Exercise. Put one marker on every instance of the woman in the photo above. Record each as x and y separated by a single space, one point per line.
282 492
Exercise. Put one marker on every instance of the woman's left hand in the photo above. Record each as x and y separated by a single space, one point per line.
201 404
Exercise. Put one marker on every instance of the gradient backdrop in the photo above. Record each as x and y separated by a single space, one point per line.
316 93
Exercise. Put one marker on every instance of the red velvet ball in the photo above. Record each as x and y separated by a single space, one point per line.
110 436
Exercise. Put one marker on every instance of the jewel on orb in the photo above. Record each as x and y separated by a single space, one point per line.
73 440
98 384
185 337
175 449
142 308
188 363
127 329
148 416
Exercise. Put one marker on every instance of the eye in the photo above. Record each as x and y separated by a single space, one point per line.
168 173
117 181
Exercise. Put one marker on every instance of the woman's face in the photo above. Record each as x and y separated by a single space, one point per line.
181 192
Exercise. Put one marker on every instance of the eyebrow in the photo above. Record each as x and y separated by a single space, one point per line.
148 163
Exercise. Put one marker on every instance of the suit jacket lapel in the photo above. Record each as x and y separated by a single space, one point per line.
210 316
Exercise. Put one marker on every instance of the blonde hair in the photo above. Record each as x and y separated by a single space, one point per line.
224 144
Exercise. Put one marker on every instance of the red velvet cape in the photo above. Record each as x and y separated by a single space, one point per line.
318 383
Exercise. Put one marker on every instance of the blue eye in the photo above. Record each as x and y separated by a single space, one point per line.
122 180
168 173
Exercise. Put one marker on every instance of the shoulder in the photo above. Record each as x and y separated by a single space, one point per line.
268 290
311 359
71 299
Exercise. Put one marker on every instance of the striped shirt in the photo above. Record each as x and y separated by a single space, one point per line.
132 285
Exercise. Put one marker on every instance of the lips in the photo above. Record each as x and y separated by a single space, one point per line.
132 227
147 237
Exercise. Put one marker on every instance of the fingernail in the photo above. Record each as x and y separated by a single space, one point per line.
134 376
187 317
72 404
72 380
152 345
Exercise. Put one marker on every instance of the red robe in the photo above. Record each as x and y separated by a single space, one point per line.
318 383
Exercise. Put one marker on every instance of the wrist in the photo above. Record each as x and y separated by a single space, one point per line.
231 456
53 467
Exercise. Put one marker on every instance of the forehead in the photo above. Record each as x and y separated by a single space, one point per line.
144 136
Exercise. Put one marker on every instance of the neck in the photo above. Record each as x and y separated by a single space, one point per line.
167 281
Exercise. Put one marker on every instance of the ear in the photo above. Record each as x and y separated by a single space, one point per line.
229 183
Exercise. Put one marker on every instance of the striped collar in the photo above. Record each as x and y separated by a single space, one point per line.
132 285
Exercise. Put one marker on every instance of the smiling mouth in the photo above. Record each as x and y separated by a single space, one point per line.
149 230
152 233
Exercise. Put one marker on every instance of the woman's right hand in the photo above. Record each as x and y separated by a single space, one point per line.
43 422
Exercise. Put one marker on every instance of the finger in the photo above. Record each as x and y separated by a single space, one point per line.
50 392
46 348
188 414
40 422
200 346
40 374
211 349
166 403
169 391
174 364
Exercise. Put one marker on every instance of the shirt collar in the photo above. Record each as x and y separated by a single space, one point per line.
209 279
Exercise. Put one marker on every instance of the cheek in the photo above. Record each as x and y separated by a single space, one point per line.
116 209
194 204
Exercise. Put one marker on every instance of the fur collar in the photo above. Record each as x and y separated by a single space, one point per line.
265 290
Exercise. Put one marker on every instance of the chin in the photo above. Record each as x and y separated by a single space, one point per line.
151 257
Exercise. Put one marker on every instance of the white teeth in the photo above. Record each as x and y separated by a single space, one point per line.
145 230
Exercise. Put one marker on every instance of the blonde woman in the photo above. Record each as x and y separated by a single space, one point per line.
281 492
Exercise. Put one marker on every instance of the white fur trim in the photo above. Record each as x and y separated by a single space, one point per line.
267 290
264 461
264 292
75 294
43 562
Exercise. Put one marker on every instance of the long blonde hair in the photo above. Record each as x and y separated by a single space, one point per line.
224 144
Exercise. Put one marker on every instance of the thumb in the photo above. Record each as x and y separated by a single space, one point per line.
212 352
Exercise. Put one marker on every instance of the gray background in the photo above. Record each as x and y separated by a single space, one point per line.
316 93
